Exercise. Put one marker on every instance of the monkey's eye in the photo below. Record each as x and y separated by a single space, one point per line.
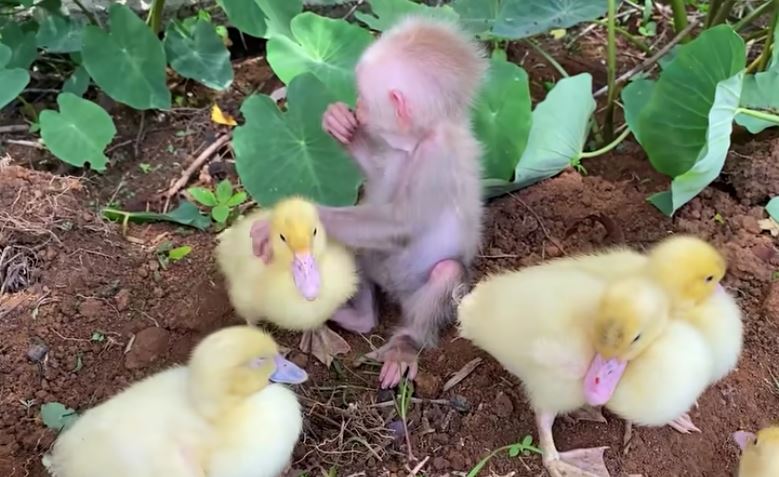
282 237
314 232
709 278
638 336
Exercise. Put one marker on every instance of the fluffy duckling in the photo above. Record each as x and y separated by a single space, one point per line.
544 325
217 417
306 279
760 453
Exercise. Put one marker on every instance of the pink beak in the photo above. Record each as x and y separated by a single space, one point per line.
601 379
305 273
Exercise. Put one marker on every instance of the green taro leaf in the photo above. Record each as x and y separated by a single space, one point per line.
224 190
516 19
128 62
279 154
387 12
78 82
59 34
199 54
262 18
12 80
557 135
57 417
712 156
22 43
672 123
203 195
502 118
773 208
186 213
635 96
79 133
761 91
325 47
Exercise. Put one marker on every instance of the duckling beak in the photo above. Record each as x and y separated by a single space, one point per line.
743 438
602 378
305 273
287 372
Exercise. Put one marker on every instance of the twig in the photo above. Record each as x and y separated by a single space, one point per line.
649 62
547 57
19 142
14 128
442 402
196 165
92 18
119 145
139 136
540 223
353 9
419 467
463 373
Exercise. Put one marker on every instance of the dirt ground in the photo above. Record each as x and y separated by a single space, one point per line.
90 310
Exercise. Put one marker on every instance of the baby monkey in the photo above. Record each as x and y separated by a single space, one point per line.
418 226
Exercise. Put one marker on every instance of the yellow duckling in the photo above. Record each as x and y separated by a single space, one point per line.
217 417
543 324
760 453
305 280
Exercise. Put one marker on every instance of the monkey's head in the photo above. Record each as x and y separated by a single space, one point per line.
418 73
298 239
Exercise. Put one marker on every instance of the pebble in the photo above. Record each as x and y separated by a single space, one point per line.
439 463
149 345
427 385
36 352
503 407
122 299
750 224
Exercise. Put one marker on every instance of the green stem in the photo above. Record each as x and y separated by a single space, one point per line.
680 15
154 20
753 15
547 57
771 118
92 18
713 8
769 40
608 147
611 70
634 40
723 12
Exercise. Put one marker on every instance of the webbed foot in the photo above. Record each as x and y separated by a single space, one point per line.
324 344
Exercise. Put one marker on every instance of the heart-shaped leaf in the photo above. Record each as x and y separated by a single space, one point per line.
262 18
557 134
516 19
78 82
79 133
502 118
12 80
773 208
199 54
59 34
281 154
761 91
388 12
672 124
57 417
712 156
325 47
128 63
22 43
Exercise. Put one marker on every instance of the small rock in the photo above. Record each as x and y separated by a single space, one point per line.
750 225
456 459
122 299
149 345
439 463
385 395
771 303
460 403
427 385
441 438
553 251
159 292
143 273
300 359
764 252
50 253
36 352
91 308
503 407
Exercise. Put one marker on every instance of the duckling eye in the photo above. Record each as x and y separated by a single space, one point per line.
314 232
282 237
638 336
256 362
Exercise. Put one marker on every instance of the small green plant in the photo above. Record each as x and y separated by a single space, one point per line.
525 447
57 417
144 167
222 201
97 337
167 253
402 407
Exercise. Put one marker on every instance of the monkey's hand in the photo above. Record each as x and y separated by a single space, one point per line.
260 234
399 356
339 122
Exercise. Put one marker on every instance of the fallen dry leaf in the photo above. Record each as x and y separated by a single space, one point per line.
462 374
769 225
220 117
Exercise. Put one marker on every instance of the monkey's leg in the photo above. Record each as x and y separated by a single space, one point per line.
359 314
425 312
573 463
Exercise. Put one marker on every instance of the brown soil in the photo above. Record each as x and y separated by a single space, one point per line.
95 311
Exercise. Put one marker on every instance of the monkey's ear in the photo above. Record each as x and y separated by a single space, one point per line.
399 104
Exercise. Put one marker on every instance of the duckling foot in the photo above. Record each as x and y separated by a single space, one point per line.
579 463
683 424
324 344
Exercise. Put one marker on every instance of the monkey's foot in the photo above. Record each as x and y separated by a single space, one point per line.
578 463
400 357
588 413
324 344
683 424
353 320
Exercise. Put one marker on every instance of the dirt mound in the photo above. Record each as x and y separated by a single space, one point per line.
752 170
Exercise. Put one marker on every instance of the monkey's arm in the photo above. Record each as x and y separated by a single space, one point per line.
366 226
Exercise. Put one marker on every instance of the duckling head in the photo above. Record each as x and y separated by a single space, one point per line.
760 453
234 363
299 239
688 268
631 315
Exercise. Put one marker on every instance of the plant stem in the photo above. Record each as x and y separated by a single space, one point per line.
633 39
771 118
769 40
547 57
722 12
713 8
92 18
608 147
611 70
680 15
154 20
753 15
